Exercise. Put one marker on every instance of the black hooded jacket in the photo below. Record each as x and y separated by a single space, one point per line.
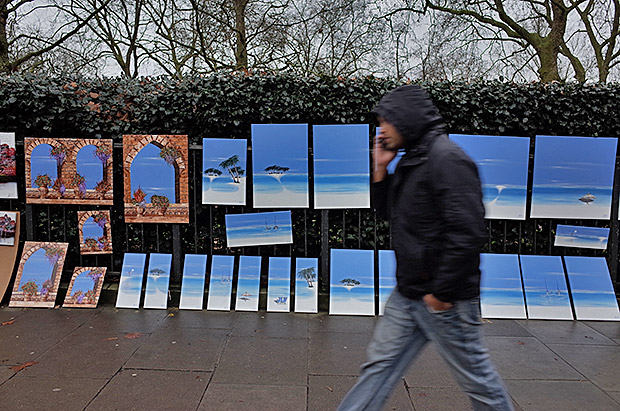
433 201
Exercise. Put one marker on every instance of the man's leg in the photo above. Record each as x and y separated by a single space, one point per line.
396 341
458 337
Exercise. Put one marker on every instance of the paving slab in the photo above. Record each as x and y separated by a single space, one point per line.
261 324
341 323
6 372
174 348
503 328
614 395
242 397
599 364
565 332
610 329
263 361
200 319
560 396
123 320
10 313
152 390
337 353
429 370
439 398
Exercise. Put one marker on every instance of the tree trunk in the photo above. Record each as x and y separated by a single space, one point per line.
548 57
4 42
241 48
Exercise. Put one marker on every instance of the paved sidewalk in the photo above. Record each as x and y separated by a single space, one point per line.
109 359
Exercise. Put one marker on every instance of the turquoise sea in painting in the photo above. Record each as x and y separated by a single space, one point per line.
387 276
352 282
501 290
248 283
193 285
546 291
220 283
132 276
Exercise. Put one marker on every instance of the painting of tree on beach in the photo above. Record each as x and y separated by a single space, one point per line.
224 171
95 231
573 177
157 281
352 282
38 274
501 290
8 176
248 283
546 292
85 287
306 286
280 165
503 166
8 226
279 284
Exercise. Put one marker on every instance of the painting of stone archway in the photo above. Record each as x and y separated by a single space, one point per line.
68 171
155 173
85 287
95 232
38 274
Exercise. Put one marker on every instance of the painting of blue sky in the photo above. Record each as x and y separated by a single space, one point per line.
157 281
152 174
573 177
193 286
280 165
224 171
501 290
306 285
591 288
132 276
42 163
546 292
248 283
279 284
582 237
341 166
352 282
89 166
259 229
220 282
502 163
387 276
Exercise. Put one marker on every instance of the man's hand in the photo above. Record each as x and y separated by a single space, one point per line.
435 303
381 158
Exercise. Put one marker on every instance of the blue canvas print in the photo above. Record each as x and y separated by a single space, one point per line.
132 276
573 177
387 276
582 237
501 290
306 285
591 287
279 284
280 165
502 163
224 171
341 166
157 281
546 292
193 286
248 283
259 229
220 283
352 282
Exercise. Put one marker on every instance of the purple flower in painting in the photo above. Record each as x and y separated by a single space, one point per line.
82 187
59 154
80 298
44 291
62 189
103 153
101 246
101 223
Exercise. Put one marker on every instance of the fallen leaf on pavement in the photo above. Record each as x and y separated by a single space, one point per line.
110 339
24 365
8 322
133 336
329 388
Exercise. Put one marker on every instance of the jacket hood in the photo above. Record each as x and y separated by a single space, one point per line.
411 111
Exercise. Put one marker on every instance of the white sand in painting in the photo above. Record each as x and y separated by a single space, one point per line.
225 197
503 311
155 299
502 212
190 302
357 200
284 199
542 312
577 211
247 305
218 303
273 307
597 313
351 307
8 190
306 305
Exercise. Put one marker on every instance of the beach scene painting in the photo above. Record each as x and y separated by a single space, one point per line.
279 284
259 229
132 277
387 276
248 283
38 275
306 285
581 237
573 177
8 227
8 175
546 292
341 166
157 281
501 289
352 282
224 171
85 287
591 288
503 165
95 232
280 165
193 284
220 282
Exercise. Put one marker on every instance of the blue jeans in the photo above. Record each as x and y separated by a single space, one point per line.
406 326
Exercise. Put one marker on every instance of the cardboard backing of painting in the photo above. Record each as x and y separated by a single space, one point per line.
248 283
352 282
501 290
85 287
95 231
193 286
8 176
8 254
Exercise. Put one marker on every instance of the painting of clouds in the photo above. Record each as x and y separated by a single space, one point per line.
193 286
223 171
502 163
279 284
501 290
85 287
341 166
306 285
387 276
259 229
546 292
8 176
573 177
352 282
132 276
280 165
581 237
591 288
220 282
157 281
248 283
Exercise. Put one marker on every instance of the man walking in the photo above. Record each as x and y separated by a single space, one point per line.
434 203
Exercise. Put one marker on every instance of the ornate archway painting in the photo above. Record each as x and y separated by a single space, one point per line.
95 232
85 287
